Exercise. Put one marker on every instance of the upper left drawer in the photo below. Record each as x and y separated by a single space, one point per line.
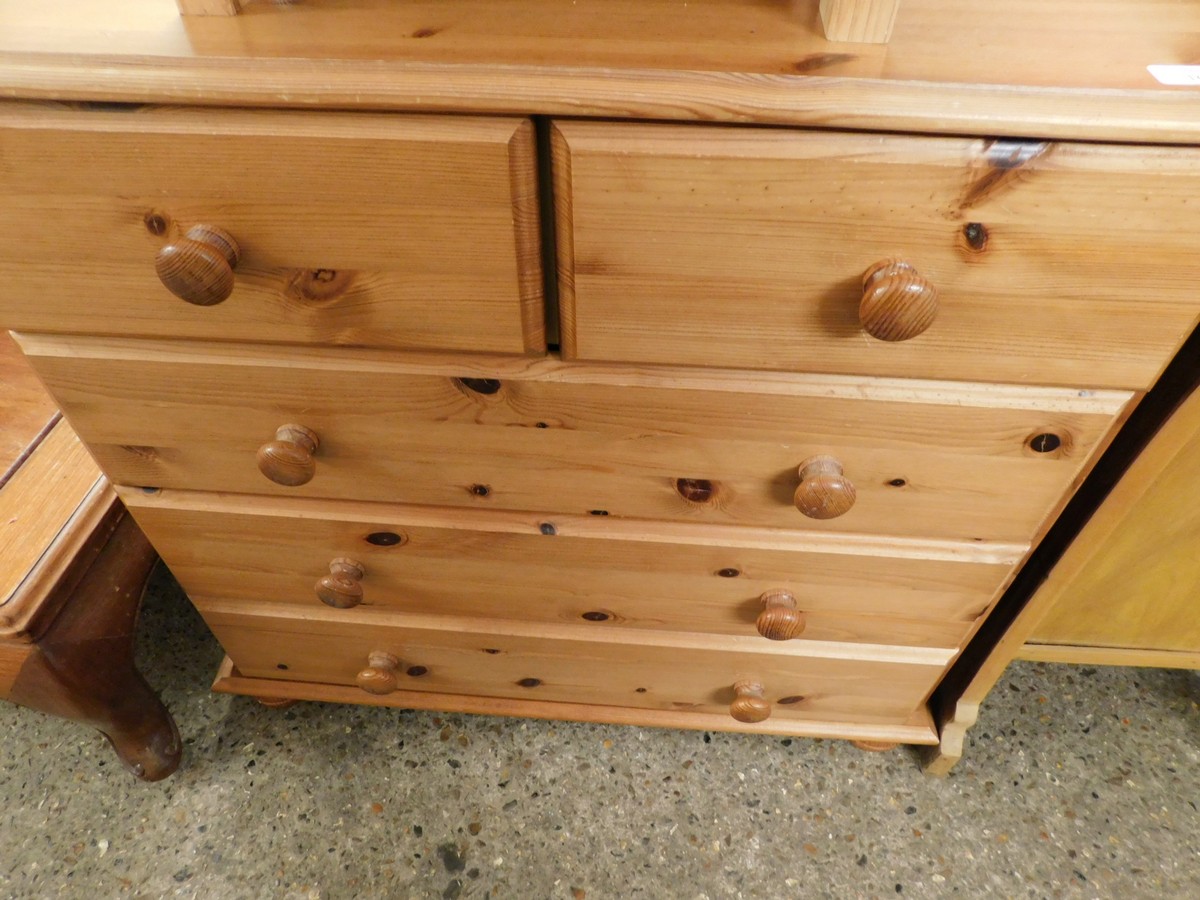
353 229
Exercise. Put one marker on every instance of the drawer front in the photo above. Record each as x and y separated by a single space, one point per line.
1053 263
548 436
604 575
489 658
353 229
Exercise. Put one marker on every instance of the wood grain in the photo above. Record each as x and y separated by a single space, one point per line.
1012 66
209 7
717 246
539 444
862 21
542 663
1091 655
605 528
26 410
355 229
917 730
35 505
273 551
1130 579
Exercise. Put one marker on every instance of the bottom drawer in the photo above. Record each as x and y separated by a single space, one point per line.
655 672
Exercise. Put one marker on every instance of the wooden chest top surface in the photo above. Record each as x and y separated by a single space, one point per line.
1069 69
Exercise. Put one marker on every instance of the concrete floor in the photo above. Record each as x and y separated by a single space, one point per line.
1078 782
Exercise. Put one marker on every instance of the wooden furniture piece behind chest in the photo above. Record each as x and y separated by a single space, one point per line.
530 407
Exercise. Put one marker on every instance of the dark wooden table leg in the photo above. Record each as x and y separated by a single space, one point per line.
81 667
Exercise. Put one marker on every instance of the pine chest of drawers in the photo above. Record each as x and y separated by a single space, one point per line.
708 426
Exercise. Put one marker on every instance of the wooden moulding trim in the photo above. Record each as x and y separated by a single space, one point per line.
918 730
829 102
326 124
36 598
304 619
564 233
1110 656
523 178
553 369
580 526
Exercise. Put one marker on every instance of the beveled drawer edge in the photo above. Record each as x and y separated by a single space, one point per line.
352 623
579 526
918 730
551 368
332 124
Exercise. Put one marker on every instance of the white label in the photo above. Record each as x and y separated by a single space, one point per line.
1185 76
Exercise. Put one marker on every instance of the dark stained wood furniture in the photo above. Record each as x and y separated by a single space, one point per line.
73 568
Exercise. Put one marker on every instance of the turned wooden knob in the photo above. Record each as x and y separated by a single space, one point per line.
342 587
288 460
876 746
898 303
748 703
379 677
199 267
824 492
781 619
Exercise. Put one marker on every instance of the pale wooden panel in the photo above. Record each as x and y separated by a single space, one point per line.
26 410
918 730
863 21
209 7
729 60
592 526
422 232
702 246
1132 576
179 416
1110 656
677 674
37 503
276 552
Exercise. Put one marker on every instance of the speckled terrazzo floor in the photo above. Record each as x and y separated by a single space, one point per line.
1078 783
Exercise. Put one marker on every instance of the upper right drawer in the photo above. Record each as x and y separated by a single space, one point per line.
1046 263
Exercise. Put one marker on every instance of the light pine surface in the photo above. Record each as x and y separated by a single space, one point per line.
1092 655
26 410
860 21
355 229
1073 68
1131 580
718 246
1017 67
680 672
1123 593
176 415
275 550
918 730
36 504
843 20
209 7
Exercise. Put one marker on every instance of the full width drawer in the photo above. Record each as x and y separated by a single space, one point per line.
934 460
802 681
353 229
1053 263
602 573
